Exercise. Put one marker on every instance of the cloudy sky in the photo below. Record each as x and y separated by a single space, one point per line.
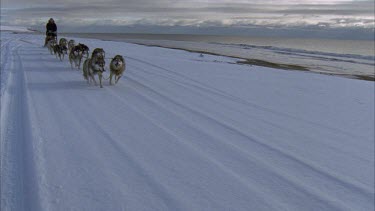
94 15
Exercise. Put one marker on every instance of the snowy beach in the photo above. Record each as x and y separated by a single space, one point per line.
347 58
180 132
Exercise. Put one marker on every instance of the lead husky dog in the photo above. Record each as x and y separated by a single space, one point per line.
94 66
117 68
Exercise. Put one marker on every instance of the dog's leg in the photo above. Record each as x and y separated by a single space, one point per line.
88 79
100 79
85 75
118 78
84 72
110 78
79 63
91 74
93 79
71 62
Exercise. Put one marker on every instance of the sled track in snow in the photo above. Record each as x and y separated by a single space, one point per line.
206 93
19 185
204 87
259 148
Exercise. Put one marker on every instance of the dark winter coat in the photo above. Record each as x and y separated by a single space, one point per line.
51 27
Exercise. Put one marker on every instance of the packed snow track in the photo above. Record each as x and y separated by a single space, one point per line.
180 132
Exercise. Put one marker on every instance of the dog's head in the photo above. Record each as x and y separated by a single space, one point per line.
98 52
99 65
83 48
63 41
118 61
64 49
76 51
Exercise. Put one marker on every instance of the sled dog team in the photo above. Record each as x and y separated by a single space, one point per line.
93 65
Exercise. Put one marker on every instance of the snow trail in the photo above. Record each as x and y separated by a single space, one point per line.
177 133
19 182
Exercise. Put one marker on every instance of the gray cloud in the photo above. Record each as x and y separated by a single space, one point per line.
352 8
84 14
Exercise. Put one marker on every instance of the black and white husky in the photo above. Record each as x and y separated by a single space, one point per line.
63 42
85 50
117 68
94 66
71 45
75 56
60 51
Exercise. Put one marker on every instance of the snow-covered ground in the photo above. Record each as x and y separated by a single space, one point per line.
180 132
15 29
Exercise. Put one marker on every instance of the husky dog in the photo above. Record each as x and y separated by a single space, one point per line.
75 55
56 49
117 68
85 50
63 51
98 52
60 51
50 45
94 66
71 44
63 42
49 37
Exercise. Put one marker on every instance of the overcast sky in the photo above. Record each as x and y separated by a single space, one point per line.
83 14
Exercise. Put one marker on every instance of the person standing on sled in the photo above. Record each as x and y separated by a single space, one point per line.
51 32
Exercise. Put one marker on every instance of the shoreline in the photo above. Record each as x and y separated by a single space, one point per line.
263 63
243 60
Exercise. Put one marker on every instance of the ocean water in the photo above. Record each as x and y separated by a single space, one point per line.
341 57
